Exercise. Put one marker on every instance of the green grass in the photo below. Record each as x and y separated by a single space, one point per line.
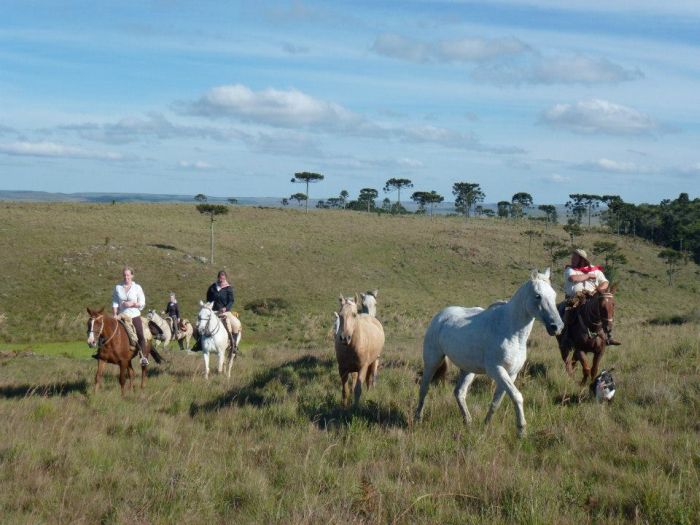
272 444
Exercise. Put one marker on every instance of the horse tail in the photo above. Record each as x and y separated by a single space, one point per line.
441 373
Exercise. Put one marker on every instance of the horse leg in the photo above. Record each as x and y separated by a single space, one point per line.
431 363
122 377
144 373
205 355
131 376
495 403
220 365
463 383
361 377
581 358
505 382
344 383
597 356
98 375
231 356
372 373
565 352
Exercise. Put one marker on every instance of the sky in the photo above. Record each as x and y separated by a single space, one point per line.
230 99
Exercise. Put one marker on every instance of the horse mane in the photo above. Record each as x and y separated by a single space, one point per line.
496 304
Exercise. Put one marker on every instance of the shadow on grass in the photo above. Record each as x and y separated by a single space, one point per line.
332 416
275 384
51 390
162 246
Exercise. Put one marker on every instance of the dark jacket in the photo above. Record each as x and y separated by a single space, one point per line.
172 310
222 298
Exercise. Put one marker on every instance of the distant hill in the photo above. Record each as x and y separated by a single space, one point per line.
272 202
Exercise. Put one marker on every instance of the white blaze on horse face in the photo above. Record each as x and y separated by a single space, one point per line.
91 333
346 318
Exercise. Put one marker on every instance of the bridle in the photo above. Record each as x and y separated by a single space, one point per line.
207 332
99 342
606 323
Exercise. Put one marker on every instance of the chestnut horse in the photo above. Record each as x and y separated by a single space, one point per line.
587 332
112 342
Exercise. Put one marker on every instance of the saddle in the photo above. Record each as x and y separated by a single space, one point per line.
128 325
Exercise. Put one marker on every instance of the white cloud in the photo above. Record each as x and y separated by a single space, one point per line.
54 150
615 166
535 69
153 125
290 108
506 60
463 50
599 116
199 165
410 163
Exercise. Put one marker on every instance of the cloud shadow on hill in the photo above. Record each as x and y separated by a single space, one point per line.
274 385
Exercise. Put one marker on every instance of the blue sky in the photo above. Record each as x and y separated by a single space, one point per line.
231 98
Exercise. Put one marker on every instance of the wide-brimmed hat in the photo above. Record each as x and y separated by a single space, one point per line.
581 253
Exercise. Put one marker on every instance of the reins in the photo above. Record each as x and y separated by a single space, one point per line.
92 327
207 332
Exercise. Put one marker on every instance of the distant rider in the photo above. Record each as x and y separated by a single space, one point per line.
172 310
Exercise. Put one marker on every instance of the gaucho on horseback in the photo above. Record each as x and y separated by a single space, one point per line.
581 281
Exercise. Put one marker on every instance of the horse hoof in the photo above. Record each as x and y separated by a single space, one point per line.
522 432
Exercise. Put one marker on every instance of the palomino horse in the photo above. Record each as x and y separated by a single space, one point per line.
112 342
215 339
492 341
588 331
359 339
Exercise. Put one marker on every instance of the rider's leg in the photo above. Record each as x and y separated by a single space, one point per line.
141 340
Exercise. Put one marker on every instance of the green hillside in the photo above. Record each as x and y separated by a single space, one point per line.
272 445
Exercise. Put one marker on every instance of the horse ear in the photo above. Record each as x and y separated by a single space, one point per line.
375 292
547 272
89 311
341 299
533 274
201 303
358 301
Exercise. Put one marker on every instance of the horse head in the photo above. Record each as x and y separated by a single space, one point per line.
347 317
606 306
541 303
369 302
95 325
204 317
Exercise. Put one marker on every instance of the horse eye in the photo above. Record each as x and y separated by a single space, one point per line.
538 297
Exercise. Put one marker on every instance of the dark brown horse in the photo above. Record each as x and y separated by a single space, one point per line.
110 338
588 331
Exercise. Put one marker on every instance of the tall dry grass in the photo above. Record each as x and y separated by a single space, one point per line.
272 444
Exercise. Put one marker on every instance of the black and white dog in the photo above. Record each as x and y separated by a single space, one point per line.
603 386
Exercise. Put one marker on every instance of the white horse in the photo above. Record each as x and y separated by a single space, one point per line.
214 338
492 341
368 302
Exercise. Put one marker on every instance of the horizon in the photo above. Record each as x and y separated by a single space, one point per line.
534 96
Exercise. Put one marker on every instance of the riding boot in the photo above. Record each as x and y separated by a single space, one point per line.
611 341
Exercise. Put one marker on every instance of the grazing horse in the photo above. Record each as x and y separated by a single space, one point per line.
588 331
359 339
215 338
111 339
491 341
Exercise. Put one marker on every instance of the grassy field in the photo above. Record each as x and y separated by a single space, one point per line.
272 444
